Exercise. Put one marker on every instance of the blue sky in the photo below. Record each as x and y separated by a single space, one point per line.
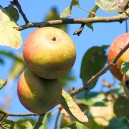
103 33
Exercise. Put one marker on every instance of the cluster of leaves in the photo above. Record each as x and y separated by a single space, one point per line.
93 110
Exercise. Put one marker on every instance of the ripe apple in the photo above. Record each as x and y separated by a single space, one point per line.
36 94
117 45
49 52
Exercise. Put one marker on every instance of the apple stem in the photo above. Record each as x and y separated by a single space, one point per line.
53 38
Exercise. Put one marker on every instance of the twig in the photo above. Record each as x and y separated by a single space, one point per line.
28 114
10 114
101 72
3 118
95 19
16 3
39 122
86 10
57 118
79 31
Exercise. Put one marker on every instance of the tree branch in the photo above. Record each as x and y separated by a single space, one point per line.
39 122
101 72
16 3
57 118
95 19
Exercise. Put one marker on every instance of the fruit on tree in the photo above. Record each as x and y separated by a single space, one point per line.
49 52
36 94
118 44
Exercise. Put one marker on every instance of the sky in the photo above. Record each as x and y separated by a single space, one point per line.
103 34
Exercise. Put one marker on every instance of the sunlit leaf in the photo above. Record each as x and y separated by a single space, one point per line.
26 123
112 5
9 124
3 82
118 123
66 13
121 107
45 120
54 15
13 12
102 114
72 108
93 61
9 36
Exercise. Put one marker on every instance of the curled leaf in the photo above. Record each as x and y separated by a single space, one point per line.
72 108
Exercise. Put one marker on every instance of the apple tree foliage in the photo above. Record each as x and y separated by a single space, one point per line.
83 110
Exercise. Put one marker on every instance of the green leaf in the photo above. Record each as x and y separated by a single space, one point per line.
54 15
125 67
118 90
67 78
93 99
72 108
9 36
121 107
3 82
45 120
112 5
9 124
93 61
11 55
89 25
75 3
18 67
118 123
77 125
13 12
26 123
66 13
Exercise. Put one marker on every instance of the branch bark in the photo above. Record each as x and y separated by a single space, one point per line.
101 72
95 19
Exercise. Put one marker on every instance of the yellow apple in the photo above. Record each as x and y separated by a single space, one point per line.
49 52
36 94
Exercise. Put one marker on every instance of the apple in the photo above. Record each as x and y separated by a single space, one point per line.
36 94
118 44
49 52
